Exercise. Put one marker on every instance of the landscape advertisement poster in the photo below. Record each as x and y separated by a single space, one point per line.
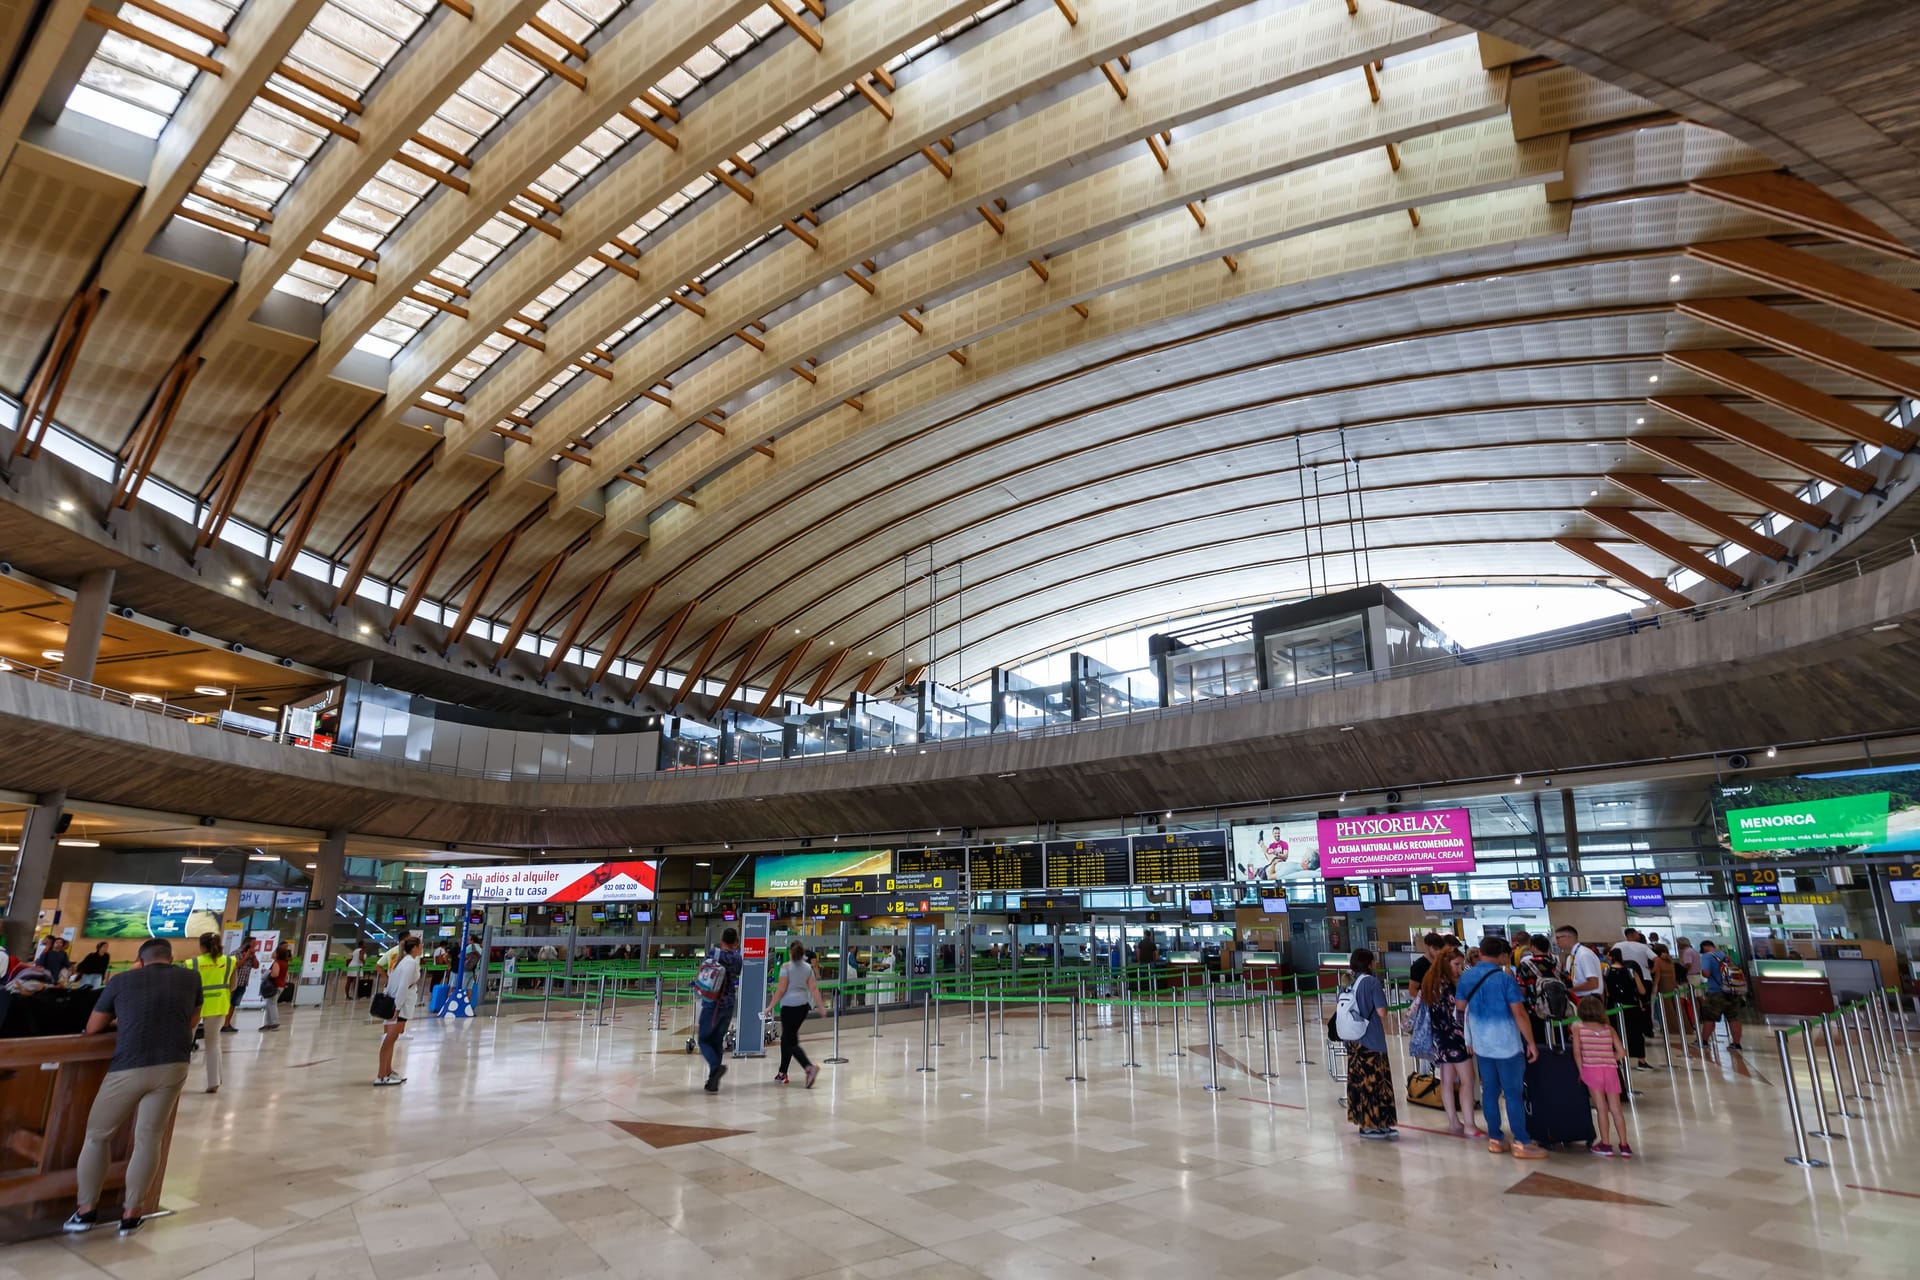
1867 811
1417 842
786 875
153 911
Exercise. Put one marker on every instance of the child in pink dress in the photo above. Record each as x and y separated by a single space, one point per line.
1598 1051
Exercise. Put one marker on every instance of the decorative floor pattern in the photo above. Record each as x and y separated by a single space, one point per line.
546 1151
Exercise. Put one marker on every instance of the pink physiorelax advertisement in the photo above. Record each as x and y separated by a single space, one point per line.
1417 843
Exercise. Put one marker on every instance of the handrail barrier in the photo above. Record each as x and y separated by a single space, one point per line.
1566 638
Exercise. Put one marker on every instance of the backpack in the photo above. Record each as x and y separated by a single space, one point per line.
711 979
1551 1001
1347 1024
1733 979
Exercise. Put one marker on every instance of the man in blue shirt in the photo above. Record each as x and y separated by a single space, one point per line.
1502 1040
1720 1002
716 1015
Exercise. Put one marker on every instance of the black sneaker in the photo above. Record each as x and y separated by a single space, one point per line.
713 1082
229 1031
781 1078
80 1222
1735 1047
130 1225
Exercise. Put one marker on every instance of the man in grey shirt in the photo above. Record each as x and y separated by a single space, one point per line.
156 1007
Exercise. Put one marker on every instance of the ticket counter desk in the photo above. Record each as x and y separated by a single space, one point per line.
47 1086
1791 989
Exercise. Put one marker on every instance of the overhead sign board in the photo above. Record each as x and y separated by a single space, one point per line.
1420 841
1810 824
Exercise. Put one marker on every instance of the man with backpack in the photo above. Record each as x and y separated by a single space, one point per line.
718 986
1726 991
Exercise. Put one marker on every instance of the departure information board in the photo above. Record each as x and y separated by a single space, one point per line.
1087 864
1007 868
910 861
1181 857
1758 887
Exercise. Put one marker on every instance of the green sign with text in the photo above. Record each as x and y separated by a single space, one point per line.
1810 824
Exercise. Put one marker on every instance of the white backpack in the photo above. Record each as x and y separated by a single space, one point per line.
1348 1024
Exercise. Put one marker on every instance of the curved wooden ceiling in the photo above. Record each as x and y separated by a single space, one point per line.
1101 310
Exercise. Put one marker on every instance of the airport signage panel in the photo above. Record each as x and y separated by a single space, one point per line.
1903 880
786 875
1429 841
545 882
1810 824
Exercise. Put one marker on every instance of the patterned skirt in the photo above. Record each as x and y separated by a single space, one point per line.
1369 1088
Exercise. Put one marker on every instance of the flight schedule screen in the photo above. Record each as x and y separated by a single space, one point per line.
1181 857
1087 864
1007 868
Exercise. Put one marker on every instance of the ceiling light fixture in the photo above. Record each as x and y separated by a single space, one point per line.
1653 377
1343 797
366 629
313 866
1888 626
1518 779
703 864
210 690
53 655
76 842
236 581
8 666
66 506
9 848
1674 278
264 707
202 862
263 857
143 697
1772 752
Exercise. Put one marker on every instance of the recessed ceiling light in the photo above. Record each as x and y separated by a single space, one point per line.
1772 752
204 862
9 848
236 581
210 690
1517 779
1888 626
829 644
263 857
77 842
66 506
144 697
366 629
1674 278
264 707
313 866
703 864
1593 493
1639 422
1653 377
53 655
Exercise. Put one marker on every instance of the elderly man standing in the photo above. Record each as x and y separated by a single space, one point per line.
156 1006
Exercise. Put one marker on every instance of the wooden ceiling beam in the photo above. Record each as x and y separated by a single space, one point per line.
158 43
482 583
748 657
661 648
653 128
792 19
1799 203
150 436
536 590
616 639
231 479
40 402
1658 540
1768 495
824 681
1614 567
1737 373
870 677
589 599
1798 271
375 532
782 678
313 495
704 659
430 559
1760 323
1730 424
1711 518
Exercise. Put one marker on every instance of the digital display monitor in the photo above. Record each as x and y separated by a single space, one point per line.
1905 890
1088 864
786 875
1181 857
1199 906
643 915
1528 900
431 917
1273 906
1647 897
1006 868
291 900
516 915
597 913
1346 901
1758 887
728 913
1442 901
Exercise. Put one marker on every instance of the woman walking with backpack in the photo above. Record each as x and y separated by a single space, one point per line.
1369 1071
795 996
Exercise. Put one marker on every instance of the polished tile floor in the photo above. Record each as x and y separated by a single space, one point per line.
554 1148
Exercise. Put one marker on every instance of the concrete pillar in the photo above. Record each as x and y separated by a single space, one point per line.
361 671
32 867
82 649
329 874
1570 821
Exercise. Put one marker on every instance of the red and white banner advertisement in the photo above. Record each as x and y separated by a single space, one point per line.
545 882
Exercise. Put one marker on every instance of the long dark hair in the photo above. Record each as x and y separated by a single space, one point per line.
1361 961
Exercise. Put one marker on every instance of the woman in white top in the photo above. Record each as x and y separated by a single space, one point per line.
403 985
356 965
797 993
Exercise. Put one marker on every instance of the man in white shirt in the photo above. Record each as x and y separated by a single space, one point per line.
1583 967
1635 951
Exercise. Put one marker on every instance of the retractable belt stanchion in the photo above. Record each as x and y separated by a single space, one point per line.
933 994
659 1002
926 1032
990 1055
1853 1064
1040 1001
873 996
1898 1041
834 1059
1213 1046
499 997
1833 1069
1131 1014
1800 1156
1693 1014
1865 1032
1266 1033
1820 1111
1179 1009
1680 1026
1076 1031
1300 1024
1626 1082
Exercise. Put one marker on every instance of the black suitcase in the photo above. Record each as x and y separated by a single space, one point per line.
1556 1102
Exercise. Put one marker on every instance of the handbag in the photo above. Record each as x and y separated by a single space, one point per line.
1423 1090
381 1006
1420 1038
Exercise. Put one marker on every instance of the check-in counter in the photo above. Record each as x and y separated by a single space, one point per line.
1791 988
1260 969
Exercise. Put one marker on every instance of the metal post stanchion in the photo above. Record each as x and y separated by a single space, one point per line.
1078 1009
1266 1033
600 1004
1863 1031
1300 1025
926 1033
546 994
1853 1064
659 1002
1076 1032
1801 1157
1133 1020
1040 1002
1693 1016
1627 1090
1899 1043
933 994
986 1012
1819 1097
1213 1046
1883 1029
1003 1016
1678 1031
1833 1069
873 995
1179 1009
613 1000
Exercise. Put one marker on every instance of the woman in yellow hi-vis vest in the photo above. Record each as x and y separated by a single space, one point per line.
216 972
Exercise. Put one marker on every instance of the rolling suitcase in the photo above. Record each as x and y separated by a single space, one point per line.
1557 1106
